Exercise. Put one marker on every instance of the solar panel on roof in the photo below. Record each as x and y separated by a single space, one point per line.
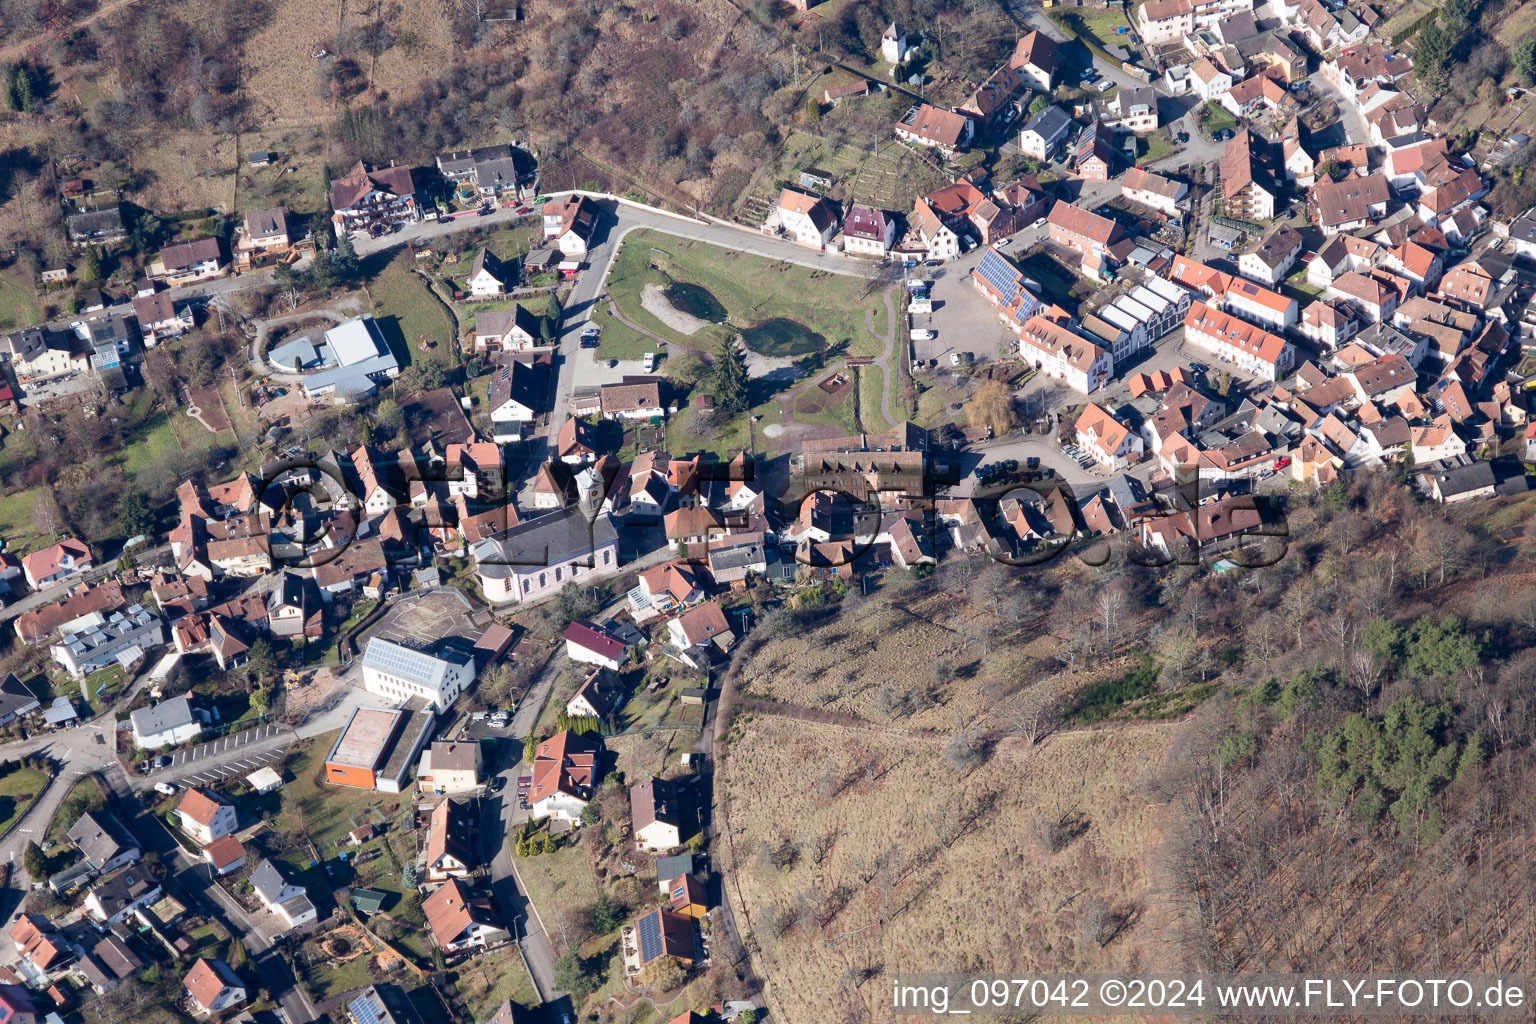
649 928
998 273
365 1011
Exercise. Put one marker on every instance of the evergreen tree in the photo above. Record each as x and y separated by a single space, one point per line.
1525 62
133 515
812 109
730 379
344 260
36 862
90 265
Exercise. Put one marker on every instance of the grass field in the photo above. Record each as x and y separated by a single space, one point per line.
618 340
399 293
1217 119
816 407
916 852
326 813
487 981
751 288
18 306
555 882
17 791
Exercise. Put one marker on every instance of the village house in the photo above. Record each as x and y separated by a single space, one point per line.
935 128
1245 189
1252 349
212 987
287 902
1350 204
1044 134
507 330
450 767
69 557
893 45
489 170
487 279
804 219
159 319
588 644
632 401
990 103
701 629
461 922
1154 191
1036 58
1095 156
1082 230
1134 109
453 830
117 896
104 844
565 774
600 695
570 223
205 816
1271 258
868 232
368 199
513 399
224 855
655 815
1111 442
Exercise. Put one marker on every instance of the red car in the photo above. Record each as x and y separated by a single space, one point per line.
1282 462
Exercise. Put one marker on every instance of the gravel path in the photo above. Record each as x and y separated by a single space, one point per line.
653 297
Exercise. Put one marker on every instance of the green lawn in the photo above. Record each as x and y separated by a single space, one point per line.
18 523
618 339
1153 147
18 305
17 791
487 981
561 879
726 439
398 292
752 289
1217 119
326 813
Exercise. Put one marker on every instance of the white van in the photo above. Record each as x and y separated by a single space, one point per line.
649 364
922 334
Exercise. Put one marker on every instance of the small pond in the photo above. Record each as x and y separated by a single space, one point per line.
783 337
695 301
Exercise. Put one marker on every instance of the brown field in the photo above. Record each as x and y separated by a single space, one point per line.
968 887
895 650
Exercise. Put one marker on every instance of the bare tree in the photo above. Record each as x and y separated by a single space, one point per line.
1029 716
1364 669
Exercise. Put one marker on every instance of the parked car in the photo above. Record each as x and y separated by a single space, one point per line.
1199 367
1183 136
1004 243
497 783
649 362
485 210
1282 462
612 363
162 761
1033 462
934 263
165 788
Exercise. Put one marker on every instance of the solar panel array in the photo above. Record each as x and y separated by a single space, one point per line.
403 663
649 928
367 1011
999 273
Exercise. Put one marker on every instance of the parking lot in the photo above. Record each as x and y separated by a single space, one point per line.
57 387
962 318
224 745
